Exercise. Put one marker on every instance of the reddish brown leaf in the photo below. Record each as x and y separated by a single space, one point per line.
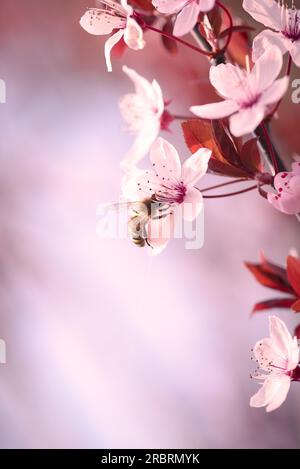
275 270
269 279
239 48
215 20
250 156
296 306
225 143
297 332
274 303
236 29
170 45
293 272
199 134
143 4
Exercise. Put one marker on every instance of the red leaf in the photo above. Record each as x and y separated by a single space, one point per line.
268 277
143 4
225 143
240 48
293 272
274 303
199 134
297 332
296 306
250 156
170 45
236 29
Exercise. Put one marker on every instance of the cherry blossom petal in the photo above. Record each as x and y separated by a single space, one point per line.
129 185
195 167
266 39
280 335
281 180
98 22
272 393
186 19
142 144
226 78
147 184
133 35
266 12
207 5
159 232
275 92
193 204
216 110
169 6
295 52
296 168
165 159
268 352
142 86
288 201
109 44
127 8
246 120
267 68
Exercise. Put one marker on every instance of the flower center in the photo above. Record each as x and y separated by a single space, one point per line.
171 193
292 24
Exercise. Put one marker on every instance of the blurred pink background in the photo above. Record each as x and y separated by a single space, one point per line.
106 346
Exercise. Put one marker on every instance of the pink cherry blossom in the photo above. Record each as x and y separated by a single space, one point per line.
284 24
143 113
168 185
112 15
247 94
278 357
187 12
287 185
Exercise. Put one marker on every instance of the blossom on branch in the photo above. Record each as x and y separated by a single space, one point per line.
187 12
277 357
287 185
283 24
247 94
144 114
111 16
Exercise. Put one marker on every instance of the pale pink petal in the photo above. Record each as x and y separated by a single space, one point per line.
226 78
159 99
272 393
159 232
147 184
127 8
186 19
267 12
288 201
169 6
109 44
282 180
246 120
142 86
98 22
275 92
142 143
216 110
295 53
165 160
207 5
280 388
267 68
195 166
296 168
133 35
266 39
279 333
268 352
129 185
193 204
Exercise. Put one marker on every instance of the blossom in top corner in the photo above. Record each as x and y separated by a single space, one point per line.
168 185
277 357
113 15
283 25
287 196
187 12
144 113
247 94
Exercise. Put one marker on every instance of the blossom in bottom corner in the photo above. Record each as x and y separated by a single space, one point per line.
287 185
143 112
278 357
168 185
112 16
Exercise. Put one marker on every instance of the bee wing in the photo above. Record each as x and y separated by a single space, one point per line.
100 22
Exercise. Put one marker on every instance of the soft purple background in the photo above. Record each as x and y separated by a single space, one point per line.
106 346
